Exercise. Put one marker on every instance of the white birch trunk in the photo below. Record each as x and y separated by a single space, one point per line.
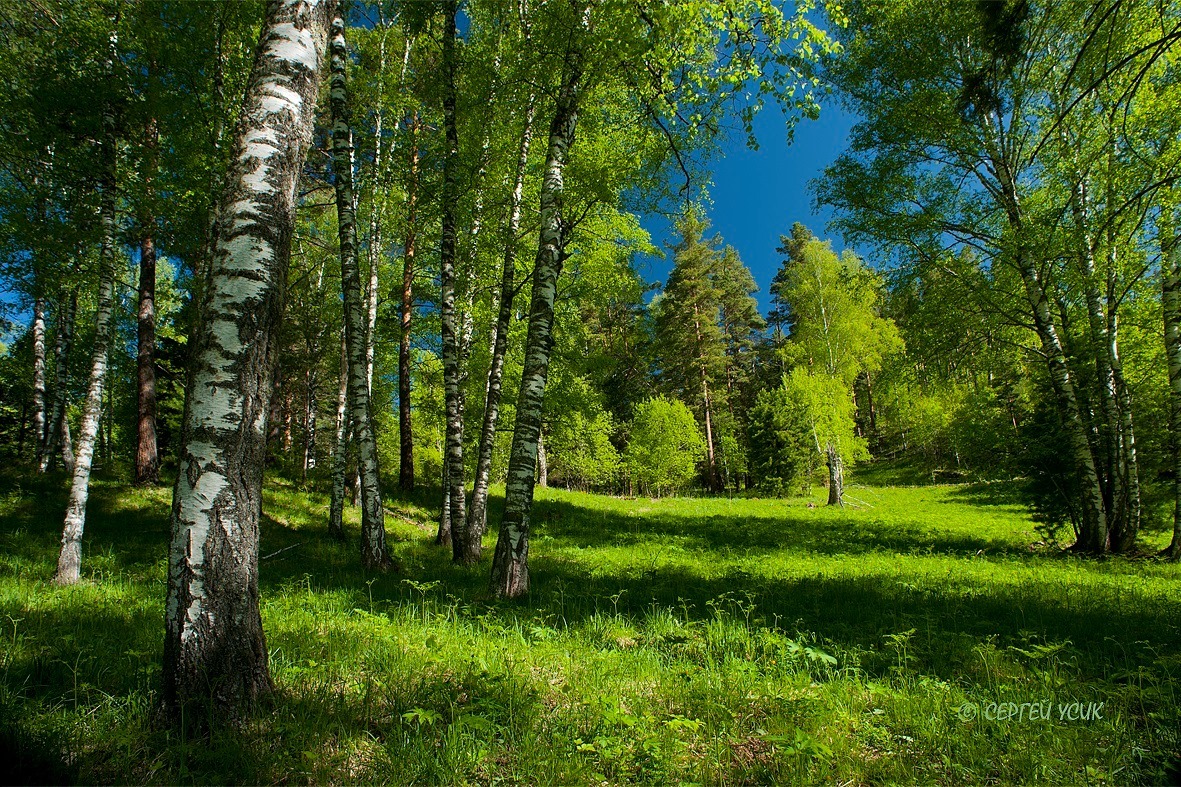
215 653
340 447
453 475
373 550
39 416
510 567
478 511
69 561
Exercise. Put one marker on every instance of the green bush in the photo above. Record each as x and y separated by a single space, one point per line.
664 446
583 456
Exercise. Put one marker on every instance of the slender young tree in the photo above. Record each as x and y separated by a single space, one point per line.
340 446
453 468
40 435
215 649
373 550
510 568
405 426
69 561
478 511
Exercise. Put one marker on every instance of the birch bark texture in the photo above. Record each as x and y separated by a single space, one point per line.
340 447
69 561
373 550
478 511
215 650
510 568
40 435
453 467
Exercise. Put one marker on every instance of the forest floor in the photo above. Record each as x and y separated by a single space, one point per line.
713 641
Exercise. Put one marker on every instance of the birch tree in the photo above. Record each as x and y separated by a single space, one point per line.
69 561
510 570
478 511
837 334
215 649
373 551
454 509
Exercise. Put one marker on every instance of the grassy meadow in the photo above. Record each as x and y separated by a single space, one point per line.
708 641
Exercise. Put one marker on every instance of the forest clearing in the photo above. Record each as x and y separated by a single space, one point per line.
590 391
669 641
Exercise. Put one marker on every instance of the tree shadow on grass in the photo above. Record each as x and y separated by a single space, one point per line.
795 529
75 652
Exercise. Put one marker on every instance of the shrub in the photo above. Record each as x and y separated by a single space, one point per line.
664 446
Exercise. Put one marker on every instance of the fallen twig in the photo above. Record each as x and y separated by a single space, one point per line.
284 549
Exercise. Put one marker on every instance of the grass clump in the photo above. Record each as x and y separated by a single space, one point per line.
699 640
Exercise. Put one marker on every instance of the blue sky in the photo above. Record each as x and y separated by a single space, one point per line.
757 195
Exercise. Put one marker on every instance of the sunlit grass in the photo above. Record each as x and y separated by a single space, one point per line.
666 641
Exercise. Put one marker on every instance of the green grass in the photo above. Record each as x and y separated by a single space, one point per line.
698 640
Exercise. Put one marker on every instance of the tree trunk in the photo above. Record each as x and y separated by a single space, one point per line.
147 460
443 534
405 430
1171 306
1093 534
510 568
309 423
1125 528
215 651
710 455
59 429
67 447
373 550
711 463
340 447
836 476
453 480
478 511
542 464
69 561
40 434
1109 427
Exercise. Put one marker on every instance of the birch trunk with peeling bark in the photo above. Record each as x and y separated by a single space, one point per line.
40 435
340 447
215 652
373 549
478 511
69 561
453 473
471 548
510 567
836 476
